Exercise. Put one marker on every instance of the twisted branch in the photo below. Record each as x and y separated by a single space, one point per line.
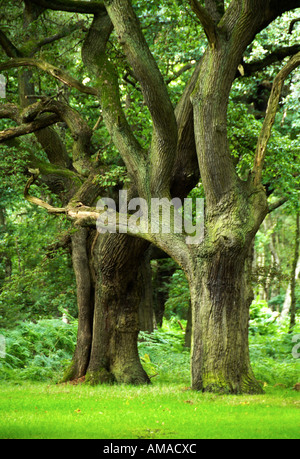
265 134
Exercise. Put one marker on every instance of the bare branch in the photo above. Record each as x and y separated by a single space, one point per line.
206 21
63 33
265 134
37 201
55 72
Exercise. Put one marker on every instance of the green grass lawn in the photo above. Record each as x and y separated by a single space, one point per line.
162 411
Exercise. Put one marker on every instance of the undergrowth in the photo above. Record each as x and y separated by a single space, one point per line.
41 351
37 351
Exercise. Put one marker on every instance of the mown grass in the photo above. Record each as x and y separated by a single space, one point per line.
33 405
43 411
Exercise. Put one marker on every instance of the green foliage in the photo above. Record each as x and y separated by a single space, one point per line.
37 351
116 175
39 282
41 351
178 302
163 354
271 346
262 319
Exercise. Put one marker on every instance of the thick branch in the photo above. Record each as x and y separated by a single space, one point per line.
186 168
60 180
206 21
51 70
94 57
80 130
114 222
72 6
27 128
8 46
244 19
276 56
153 88
265 134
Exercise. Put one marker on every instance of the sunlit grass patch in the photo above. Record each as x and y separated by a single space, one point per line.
157 412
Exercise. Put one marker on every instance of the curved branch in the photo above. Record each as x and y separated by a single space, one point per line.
55 72
265 134
293 24
37 201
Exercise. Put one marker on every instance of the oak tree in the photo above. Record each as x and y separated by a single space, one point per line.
218 267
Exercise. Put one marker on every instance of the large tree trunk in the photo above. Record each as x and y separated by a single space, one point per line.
221 295
235 209
221 298
109 293
114 352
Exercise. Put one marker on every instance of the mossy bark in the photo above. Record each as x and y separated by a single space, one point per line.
109 294
114 353
220 350
221 294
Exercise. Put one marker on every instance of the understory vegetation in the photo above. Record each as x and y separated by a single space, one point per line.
41 350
